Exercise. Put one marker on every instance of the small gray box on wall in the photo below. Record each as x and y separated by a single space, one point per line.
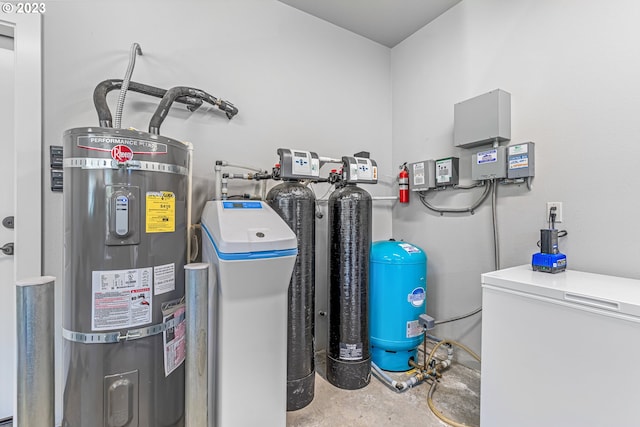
447 171
521 160
482 120
490 163
422 175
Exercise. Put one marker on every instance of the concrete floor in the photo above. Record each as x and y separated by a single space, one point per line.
457 396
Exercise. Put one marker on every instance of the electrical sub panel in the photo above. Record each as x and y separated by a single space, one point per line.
298 164
489 164
447 171
521 160
482 120
422 175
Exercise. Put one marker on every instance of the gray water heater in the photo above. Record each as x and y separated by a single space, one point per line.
125 203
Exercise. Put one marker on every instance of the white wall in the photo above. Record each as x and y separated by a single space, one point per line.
572 68
298 82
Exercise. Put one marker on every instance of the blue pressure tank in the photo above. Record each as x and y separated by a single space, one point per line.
397 296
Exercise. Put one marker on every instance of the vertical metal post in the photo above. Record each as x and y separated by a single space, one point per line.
196 362
35 342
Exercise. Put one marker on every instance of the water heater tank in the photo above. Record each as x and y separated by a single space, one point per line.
125 214
397 296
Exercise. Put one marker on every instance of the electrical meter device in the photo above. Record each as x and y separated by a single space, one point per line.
422 175
447 171
521 160
298 164
359 170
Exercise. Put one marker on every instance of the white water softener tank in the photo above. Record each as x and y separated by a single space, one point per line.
251 251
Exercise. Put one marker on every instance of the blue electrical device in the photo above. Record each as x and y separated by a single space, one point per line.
549 259
549 263
397 297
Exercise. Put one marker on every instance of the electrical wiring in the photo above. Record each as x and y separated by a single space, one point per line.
471 209
494 215
468 187
561 233
490 188
135 50
319 213
454 319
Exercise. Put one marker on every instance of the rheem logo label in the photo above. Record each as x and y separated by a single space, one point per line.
121 153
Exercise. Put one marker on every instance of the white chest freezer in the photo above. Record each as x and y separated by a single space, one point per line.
251 251
559 349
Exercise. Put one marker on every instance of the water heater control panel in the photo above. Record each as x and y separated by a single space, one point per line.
298 164
359 170
123 215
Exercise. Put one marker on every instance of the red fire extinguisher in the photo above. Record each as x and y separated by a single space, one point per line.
403 184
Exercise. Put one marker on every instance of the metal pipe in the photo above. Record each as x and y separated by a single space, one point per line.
240 166
196 360
400 386
35 341
324 160
224 189
374 198
415 365
217 181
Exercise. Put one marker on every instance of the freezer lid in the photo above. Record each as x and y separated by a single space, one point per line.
616 294
247 229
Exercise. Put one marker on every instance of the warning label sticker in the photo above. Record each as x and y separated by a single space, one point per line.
174 340
413 329
350 351
409 248
161 212
518 149
121 298
518 162
418 173
490 156
164 278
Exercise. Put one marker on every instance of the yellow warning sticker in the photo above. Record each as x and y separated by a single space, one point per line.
161 212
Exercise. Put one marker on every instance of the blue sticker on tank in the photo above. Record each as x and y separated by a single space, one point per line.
417 297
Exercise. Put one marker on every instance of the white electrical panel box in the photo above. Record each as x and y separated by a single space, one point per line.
490 163
422 175
447 171
521 160
482 120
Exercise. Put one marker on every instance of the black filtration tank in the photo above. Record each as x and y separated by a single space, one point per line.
348 355
295 203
